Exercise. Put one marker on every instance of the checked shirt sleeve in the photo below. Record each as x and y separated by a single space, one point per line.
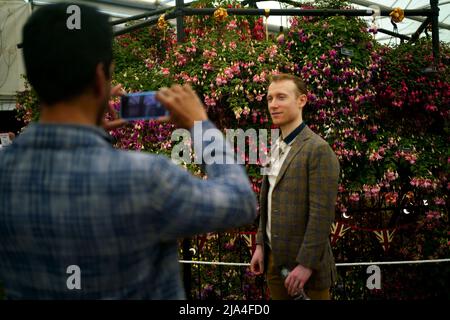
188 205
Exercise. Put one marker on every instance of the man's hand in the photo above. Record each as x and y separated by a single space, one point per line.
115 123
184 105
257 263
296 279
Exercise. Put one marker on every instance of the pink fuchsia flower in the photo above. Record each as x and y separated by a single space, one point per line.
343 209
229 73
259 97
439 201
375 190
414 182
375 156
209 53
390 175
207 66
293 21
210 102
232 25
433 215
411 158
192 49
354 197
328 93
280 38
430 107
221 80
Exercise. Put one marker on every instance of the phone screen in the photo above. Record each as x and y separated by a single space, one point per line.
141 105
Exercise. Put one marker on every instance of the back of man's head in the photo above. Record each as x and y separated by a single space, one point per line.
61 59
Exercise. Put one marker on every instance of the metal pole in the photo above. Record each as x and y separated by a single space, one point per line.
301 12
187 277
391 33
419 30
149 22
179 4
140 16
435 30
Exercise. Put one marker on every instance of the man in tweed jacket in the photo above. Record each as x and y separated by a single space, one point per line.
297 201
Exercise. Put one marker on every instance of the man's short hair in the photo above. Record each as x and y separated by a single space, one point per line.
299 84
61 62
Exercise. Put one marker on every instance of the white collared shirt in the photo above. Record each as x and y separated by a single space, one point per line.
277 158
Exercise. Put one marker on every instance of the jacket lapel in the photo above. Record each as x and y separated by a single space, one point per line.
296 147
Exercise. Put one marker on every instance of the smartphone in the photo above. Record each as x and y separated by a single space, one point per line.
141 106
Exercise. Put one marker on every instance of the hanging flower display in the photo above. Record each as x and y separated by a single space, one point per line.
162 23
397 15
220 14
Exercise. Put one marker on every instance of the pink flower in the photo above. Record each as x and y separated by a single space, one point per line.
414 182
433 215
439 201
165 71
375 190
259 97
221 80
192 49
329 93
207 66
229 73
280 39
375 156
430 107
390 175
354 197
232 25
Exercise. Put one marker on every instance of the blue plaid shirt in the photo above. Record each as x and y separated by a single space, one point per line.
67 197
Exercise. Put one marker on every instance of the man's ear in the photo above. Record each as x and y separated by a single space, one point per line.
100 82
301 100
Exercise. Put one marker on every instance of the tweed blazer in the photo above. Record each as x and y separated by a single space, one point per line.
303 209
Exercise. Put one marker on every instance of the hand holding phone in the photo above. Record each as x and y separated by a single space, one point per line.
184 105
141 106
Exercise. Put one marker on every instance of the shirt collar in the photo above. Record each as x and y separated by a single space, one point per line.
291 136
